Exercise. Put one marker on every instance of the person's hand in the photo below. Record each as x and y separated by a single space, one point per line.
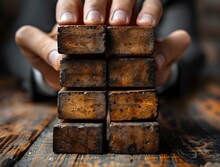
109 12
41 51
41 48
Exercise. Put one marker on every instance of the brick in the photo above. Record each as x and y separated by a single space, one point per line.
132 72
130 41
78 137
132 105
81 39
78 73
81 105
134 138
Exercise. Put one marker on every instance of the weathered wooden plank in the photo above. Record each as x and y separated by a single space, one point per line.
134 137
82 105
130 41
21 122
122 160
81 39
70 137
132 72
132 105
86 73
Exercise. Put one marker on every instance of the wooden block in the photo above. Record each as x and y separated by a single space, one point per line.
132 72
130 41
81 105
134 138
132 105
78 73
81 39
78 137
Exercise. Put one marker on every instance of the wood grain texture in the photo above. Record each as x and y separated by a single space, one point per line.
82 105
78 73
130 41
131 72
132 105
21 122
81 39
70 137
134 137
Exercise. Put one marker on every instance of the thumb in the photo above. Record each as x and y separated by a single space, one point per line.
169 50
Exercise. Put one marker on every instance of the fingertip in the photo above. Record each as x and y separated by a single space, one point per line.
67 12
145 20
93 17
54 59
119 17
67 18
160 61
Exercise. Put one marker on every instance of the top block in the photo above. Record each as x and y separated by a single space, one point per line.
130 41
81 39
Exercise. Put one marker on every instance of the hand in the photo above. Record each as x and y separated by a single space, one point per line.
118 12
167 52
41 50
110 12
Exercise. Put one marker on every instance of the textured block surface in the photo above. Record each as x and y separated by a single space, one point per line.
82 73
132 105
81 105
78 137
134 138
81 39
131 72
130 41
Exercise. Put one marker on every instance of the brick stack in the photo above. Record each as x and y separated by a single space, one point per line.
82 101
107 69
133 101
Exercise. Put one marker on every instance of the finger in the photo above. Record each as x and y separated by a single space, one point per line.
94 11
39 43
52 78
162 76
169 50
68 11
120 12
150 13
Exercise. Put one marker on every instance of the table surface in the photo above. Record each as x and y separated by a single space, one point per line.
189 132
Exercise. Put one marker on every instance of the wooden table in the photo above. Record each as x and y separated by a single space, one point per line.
189 132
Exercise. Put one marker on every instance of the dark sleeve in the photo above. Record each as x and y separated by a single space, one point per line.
181 14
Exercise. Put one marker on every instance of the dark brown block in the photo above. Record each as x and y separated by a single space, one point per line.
132 105
130 41
78 137
77 73
81 39
81 105
132 72
134 138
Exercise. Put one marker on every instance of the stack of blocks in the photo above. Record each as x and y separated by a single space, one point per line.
107 69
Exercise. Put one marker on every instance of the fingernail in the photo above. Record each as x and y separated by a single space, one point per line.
160 61
52 58
146 18
120 15
67 16
94 16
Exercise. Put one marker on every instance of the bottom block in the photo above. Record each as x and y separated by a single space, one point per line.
134 137
78 137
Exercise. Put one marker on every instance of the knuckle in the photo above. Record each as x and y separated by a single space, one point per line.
21 33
